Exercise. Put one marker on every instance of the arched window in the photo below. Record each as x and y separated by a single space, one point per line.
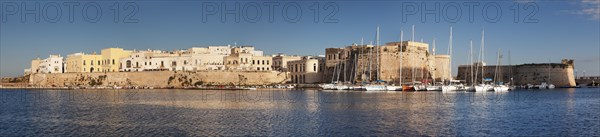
315 67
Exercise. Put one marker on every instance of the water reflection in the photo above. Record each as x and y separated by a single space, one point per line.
560 112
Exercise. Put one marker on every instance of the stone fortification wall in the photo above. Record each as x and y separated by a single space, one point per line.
158 79
559 74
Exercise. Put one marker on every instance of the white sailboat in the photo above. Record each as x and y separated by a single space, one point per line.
482 87
499 85
399 87
471 87
376 87
433 86
450 87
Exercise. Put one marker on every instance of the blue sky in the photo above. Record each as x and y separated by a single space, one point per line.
564 29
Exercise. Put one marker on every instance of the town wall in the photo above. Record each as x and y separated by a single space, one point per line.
158 79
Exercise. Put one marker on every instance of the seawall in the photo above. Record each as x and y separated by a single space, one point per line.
176 79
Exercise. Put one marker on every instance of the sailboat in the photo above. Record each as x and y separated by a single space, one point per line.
450 86
332 85
471 87
482 87
546 85
376 87
433 86
394 87
510 73
499 86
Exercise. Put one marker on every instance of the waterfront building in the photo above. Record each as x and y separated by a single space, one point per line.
141 61
243 58
367 63
280 62
81 62
211 57
307 70
111 57
52 64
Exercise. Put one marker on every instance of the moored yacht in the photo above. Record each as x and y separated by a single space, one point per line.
434 88
393 88
375 88
484 88
501 88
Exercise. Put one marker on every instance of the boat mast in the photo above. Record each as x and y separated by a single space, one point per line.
412 57
482 56
370 62
434 57
378 55
355 61
497 67
339 69
450 62
471 61
400 52
548 71
510 69
334 70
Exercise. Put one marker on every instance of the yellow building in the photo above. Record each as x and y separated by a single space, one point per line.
80 62
111 57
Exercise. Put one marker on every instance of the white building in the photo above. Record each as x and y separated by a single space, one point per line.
52 64
243 58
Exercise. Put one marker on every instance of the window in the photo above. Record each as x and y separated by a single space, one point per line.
128 64
91 62
315 67
113 62
174 63
267 62
84 63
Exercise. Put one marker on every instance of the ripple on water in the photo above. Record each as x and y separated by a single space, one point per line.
299 113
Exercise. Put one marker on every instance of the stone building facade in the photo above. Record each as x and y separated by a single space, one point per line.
405 61
559 74
308 70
